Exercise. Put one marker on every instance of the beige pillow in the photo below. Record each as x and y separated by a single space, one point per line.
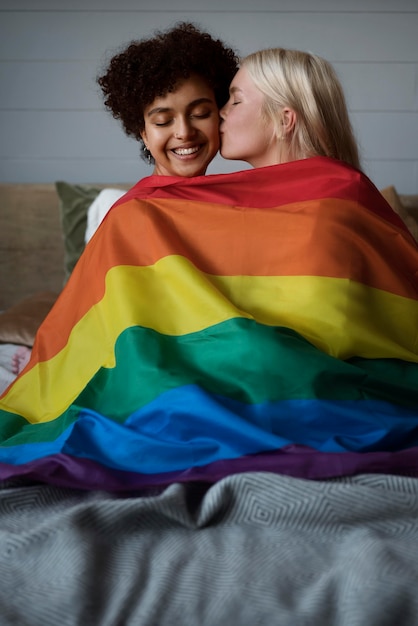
19 323
391 196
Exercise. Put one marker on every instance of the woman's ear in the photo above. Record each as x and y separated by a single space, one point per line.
144 137
288 120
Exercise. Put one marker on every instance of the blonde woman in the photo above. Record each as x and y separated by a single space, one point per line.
286 105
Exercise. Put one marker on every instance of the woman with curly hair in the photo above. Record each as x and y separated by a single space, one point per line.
167 91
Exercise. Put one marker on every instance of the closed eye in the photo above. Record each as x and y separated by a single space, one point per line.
202 116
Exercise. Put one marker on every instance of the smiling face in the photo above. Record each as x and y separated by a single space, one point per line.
182 129
245 133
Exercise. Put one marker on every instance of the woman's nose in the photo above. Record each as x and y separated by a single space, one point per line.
184 128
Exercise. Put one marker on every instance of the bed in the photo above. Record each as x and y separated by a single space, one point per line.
250 546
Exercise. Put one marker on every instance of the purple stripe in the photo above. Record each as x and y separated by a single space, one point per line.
297 461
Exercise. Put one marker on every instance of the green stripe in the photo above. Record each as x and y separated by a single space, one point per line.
15 430
239 359
244 360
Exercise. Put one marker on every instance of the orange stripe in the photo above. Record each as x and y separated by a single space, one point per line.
312 238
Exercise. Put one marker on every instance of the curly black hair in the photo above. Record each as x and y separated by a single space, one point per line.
153 67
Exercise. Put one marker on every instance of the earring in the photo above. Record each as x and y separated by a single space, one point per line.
147 154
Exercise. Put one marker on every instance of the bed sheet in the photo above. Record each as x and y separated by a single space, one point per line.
254 549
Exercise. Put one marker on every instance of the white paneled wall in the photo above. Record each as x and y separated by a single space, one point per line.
53 124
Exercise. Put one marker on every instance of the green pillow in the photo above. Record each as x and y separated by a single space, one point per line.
74 204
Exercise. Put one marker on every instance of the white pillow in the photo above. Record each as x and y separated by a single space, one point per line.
98 209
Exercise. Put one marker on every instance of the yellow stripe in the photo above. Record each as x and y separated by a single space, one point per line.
174 298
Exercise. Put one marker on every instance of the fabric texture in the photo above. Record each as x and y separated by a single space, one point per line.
255 548
75 201
7 375
262 320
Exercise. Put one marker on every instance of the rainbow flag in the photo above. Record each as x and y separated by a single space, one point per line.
261 320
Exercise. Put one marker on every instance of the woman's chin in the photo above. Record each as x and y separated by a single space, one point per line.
228 154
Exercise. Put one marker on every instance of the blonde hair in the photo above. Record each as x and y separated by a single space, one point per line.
309 86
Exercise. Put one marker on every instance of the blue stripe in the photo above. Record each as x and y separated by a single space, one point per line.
188 426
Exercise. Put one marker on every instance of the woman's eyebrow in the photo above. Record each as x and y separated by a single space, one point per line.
158 110
190 105
200 101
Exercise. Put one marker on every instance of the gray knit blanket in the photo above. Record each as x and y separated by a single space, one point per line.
255 549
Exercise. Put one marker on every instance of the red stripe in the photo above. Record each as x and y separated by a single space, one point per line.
298 181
